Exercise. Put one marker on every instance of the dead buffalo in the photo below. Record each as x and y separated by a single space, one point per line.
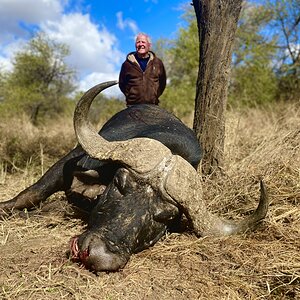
137 178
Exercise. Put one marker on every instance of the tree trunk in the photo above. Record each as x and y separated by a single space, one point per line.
35 108
217 22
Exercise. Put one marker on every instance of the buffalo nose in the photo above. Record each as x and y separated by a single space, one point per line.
100 259
94 255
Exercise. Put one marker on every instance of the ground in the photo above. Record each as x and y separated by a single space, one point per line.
264 264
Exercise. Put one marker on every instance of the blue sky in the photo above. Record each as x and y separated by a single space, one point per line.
98 33
159 18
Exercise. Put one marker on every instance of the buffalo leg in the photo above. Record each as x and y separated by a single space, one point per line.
51 182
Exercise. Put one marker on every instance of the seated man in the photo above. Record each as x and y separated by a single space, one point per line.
142 77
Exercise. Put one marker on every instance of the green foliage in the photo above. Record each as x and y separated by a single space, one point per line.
253 81
181 58
265 67
265 64
105 108
179 99
102 108
289 83
267 54
185 52
285 24
252 84
40 82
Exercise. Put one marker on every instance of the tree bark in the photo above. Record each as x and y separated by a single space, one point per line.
217 23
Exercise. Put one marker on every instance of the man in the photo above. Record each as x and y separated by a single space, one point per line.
142 77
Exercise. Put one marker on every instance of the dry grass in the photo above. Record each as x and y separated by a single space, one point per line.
261 265
25 146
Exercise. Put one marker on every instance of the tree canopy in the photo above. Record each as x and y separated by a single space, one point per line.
265 62
40 82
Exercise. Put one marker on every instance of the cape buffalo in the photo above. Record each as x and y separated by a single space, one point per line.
136 177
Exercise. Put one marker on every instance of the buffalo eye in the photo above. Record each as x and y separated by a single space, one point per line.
165 212
120 180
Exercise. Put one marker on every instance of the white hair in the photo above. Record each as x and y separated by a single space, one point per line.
145 35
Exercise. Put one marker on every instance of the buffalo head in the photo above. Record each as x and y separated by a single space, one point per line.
147 194
129 217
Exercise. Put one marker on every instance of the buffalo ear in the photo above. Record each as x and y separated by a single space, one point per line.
120 179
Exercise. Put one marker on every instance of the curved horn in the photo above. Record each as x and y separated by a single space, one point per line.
183 184
180 180
140 154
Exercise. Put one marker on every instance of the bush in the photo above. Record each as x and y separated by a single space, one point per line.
22 142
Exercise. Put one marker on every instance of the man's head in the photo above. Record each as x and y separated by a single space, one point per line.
142 44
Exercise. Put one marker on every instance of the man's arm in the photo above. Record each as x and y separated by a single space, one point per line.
162 79
122 79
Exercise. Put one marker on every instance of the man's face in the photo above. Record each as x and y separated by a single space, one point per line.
142 46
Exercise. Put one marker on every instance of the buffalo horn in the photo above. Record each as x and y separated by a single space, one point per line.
178 181
135 153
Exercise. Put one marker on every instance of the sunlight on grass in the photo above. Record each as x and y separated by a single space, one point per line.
264 264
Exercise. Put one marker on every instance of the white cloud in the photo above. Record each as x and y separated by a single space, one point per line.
124 23
5 64
8 51
95 51
95 78
15 15
295 49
